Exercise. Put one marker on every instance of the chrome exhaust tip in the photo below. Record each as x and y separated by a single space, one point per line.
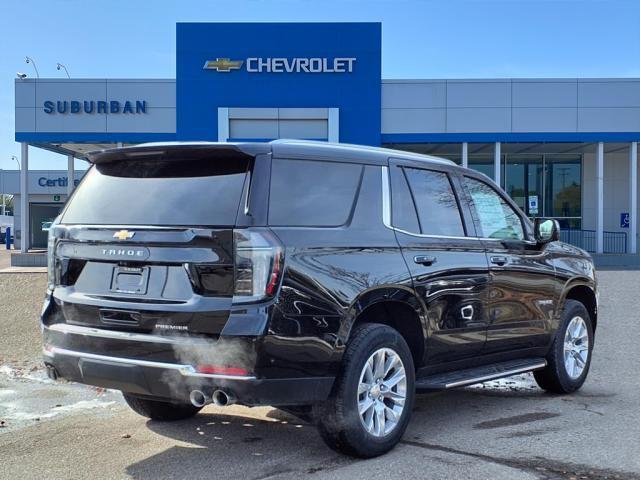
222 399
198 399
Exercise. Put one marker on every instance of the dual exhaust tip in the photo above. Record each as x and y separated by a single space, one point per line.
220 398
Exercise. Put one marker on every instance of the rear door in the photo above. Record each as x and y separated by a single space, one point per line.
147 243
447 262
522 292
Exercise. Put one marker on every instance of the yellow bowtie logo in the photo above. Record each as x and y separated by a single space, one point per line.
223 64
123 235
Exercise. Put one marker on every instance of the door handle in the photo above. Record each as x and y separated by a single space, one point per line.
424 259
499 260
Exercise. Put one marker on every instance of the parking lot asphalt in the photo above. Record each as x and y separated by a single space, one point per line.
506 429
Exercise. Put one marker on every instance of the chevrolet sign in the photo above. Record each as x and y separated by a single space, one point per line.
284 65
222 64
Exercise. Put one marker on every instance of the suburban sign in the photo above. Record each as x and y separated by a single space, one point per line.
94 106
284 65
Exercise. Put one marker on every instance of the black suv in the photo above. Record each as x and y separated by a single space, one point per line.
331 281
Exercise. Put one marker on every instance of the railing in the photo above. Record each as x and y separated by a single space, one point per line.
614 242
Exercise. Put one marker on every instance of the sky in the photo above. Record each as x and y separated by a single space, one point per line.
420 39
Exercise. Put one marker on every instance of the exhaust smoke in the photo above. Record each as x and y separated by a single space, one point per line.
229 353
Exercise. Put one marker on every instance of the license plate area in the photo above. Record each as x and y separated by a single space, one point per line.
131 280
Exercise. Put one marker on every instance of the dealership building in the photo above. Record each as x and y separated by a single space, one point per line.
564 148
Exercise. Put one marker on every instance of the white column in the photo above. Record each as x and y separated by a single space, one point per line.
465 154
496 164
223 124
3 199
24 198
600 198
119 144
71 174
633 197
333 125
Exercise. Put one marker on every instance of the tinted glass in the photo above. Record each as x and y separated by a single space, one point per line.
563 184
308 193
436 203
403 210
148 192
523 182
483 163
497 218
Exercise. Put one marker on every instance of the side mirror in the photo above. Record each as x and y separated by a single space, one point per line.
546 230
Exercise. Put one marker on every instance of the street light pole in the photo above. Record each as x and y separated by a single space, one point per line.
30 60
62 66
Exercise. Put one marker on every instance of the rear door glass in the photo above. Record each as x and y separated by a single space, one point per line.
203 192
307 193
435 202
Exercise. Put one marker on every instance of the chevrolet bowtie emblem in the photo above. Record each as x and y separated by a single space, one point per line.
123 235
223 64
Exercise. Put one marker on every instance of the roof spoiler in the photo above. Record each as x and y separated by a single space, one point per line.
179 151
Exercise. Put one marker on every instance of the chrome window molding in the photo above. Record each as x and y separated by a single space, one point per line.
386 217
246 200
386 213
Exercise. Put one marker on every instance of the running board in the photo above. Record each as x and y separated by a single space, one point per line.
462 378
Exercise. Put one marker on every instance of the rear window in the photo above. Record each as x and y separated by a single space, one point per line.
199 192
308 193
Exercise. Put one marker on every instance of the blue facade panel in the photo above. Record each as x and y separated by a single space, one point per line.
357 93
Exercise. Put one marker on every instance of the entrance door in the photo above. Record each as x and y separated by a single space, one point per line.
524 182
563 193
41 217
448 267
546 186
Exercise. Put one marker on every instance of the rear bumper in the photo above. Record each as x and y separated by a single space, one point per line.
169 380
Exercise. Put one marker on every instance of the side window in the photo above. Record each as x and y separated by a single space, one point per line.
497 218
403 210
435 202
306 193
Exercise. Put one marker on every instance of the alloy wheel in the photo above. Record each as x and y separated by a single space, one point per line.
382 392
576 347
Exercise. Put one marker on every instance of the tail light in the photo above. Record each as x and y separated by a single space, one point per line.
259 260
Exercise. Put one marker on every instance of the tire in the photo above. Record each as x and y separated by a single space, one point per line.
556 377
162 411
338 419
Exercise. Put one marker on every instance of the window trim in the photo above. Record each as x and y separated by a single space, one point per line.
386 211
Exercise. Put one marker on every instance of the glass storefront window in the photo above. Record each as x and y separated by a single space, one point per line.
542 184
483 163
546 186
563 185
523 181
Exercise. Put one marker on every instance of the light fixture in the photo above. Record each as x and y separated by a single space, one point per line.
30 60
62 66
